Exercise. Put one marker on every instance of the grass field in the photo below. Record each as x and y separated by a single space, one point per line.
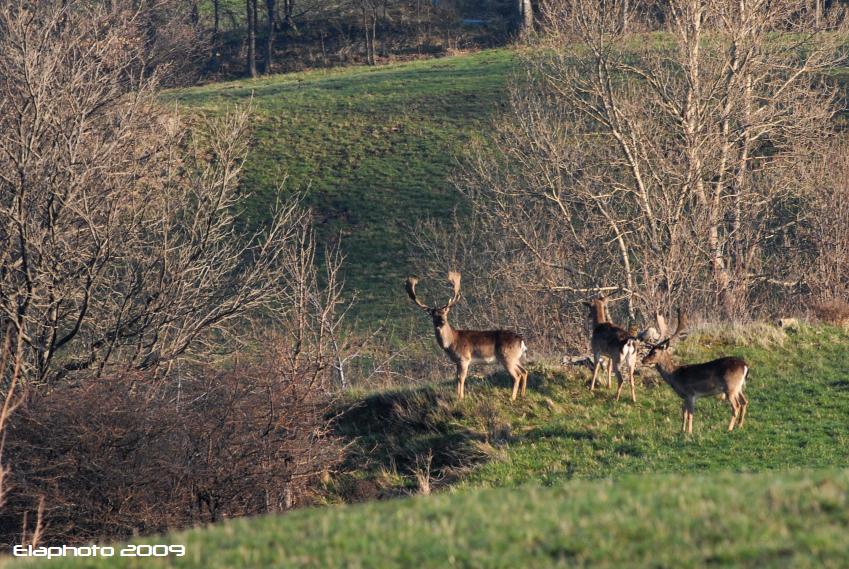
374 148
794 519
573 478
798 386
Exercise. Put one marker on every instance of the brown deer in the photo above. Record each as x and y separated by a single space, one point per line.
722 376
466 347
614 343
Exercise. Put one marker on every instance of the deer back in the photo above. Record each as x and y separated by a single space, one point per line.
609 339
487 344
710 378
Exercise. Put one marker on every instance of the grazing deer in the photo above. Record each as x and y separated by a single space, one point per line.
614 343
466 347
726 376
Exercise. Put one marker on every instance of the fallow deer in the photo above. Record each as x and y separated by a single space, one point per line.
614 343
722 376
466 347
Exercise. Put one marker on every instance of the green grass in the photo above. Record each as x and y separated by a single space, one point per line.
573 478
795 519
374 149
799 400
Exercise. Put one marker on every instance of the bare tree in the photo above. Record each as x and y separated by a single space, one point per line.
526 16
251 22
172 40
271 15
658 169
287 21
369 15
120 243
817 255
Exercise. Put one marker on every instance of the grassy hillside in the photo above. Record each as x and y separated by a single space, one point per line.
373 147
567 477
798 387
796 519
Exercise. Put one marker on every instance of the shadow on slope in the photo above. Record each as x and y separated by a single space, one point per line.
399 436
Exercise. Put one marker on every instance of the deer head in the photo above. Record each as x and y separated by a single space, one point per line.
598 309
438 314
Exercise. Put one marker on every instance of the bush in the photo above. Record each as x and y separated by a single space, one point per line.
118 456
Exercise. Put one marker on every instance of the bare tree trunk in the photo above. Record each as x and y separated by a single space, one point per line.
374 36
526 15
250 13
288 12
194 13
370 30
624 16
270 8
213 44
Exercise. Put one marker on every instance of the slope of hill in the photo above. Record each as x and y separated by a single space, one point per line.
571 478
373 148
796 519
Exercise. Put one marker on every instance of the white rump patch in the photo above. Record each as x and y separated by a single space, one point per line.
629 352
524 349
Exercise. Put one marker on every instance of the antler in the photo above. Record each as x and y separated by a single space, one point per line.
681 328
410 285
662 329
454 279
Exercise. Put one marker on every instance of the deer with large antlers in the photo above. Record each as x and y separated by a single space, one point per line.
614 343
725 376
466 347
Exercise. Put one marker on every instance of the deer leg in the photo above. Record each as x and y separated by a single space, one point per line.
462 371
631 375
690 404
744 404
517 380
620 379
735 410
597 363
609 372
524 373
683 416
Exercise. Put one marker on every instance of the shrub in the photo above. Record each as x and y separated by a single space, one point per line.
118 456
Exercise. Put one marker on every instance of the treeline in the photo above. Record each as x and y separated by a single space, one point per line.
215 39
234 38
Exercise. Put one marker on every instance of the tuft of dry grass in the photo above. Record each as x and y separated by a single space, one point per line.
759 334
834 311
423 473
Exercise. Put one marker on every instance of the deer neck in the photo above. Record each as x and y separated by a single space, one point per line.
667 368
445 335
599 316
